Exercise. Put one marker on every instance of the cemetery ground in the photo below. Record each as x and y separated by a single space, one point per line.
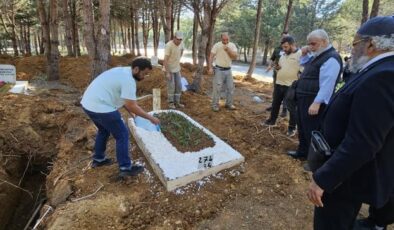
46 142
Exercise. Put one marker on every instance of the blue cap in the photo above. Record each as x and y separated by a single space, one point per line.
378 26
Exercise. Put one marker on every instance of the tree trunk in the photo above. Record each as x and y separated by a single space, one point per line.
375 9
245 55
202 41
122 34
36 43
28 40
75 32
266 49
145 30
288 14
53 57
68 38
178 18
21 39
13 30
103 44
364 16
132 27
137 41
194 39
44 26
41 41
256 40
98 47
166 16
156 30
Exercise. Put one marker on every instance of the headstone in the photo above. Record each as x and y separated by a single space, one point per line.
8 73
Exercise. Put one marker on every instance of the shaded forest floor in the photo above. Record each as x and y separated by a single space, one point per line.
46 142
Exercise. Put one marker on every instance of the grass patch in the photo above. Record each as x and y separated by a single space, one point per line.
182 134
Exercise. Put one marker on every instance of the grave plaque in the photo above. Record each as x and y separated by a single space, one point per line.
8 73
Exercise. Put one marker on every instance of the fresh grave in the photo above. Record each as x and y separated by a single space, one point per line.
178 167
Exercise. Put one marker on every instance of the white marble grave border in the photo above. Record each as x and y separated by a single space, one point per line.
176 169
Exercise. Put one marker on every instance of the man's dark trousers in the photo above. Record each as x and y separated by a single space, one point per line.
341 209
306 123
279 95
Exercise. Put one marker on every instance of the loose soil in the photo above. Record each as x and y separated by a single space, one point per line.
182 134
47 133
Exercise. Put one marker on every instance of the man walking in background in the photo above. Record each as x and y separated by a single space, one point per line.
171 67
223 52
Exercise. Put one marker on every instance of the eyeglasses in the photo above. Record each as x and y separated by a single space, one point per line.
312 43
358 41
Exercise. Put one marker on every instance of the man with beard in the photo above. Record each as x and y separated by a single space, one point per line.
358 125
323 67
288 68
275 56
106 94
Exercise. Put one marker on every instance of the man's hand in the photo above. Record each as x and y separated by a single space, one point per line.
154 120
314 109
315 194
304 50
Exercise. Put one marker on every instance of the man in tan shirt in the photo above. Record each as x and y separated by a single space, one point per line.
223 52
288 69
171 66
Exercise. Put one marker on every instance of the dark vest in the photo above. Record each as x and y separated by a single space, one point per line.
308 84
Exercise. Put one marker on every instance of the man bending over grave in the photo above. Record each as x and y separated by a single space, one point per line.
106 94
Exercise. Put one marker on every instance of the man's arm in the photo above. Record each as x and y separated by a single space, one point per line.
231 53
132 107
327 77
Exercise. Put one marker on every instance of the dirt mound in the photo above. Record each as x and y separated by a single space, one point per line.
266 192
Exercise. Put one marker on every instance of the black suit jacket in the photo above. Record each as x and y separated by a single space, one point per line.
359 124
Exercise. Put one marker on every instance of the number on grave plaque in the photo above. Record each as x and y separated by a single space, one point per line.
205 162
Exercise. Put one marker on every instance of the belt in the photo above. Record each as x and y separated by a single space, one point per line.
222 68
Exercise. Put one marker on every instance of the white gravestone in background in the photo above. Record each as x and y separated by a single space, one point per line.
8 73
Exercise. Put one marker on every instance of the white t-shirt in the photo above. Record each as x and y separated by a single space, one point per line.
106 93
222 59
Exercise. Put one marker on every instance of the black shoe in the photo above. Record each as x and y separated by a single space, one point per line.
283 113
268 109
291 132
366 224
107 161
296 155
134 171
268 122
